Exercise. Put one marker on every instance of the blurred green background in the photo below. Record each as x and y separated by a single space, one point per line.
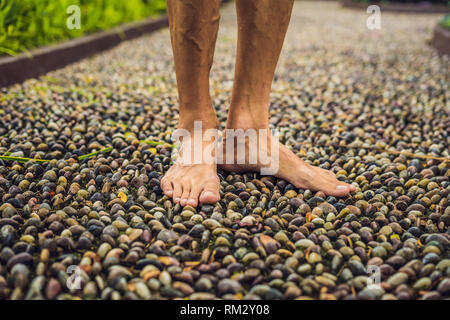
445 22
27 24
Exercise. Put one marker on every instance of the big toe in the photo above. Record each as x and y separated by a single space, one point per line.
351 188
209 197
340 191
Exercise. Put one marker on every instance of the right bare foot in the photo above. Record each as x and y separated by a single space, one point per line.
190 184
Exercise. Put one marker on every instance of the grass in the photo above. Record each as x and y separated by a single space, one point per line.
445 22
27 24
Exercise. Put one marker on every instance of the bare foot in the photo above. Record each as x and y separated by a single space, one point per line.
190 184
290 167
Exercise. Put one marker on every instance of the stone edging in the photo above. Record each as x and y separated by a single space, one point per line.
42 60
397 7
441 39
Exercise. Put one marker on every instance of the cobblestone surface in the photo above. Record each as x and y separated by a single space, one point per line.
344 98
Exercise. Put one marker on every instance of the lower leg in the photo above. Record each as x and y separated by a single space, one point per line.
262 28
193 30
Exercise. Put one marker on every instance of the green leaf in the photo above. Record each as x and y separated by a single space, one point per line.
19 159
90 155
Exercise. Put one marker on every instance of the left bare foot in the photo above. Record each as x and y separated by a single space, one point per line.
290 167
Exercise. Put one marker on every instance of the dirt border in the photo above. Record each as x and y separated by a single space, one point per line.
19 68
400 8
441 40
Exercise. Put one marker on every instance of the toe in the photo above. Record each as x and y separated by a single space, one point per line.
185 194
340 190
166 186
209 197
193 197
350 187
210 194
177 190
192 202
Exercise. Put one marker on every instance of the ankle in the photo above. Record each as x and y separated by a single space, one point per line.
247 120
206 122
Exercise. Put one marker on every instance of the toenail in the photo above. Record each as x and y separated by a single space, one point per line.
177 199
169 192
208 193
341 188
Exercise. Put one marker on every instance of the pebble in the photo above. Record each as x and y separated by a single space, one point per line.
142 291
167 236
303 244
397 279
444 287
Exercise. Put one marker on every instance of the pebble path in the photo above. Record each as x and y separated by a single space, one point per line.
344 98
